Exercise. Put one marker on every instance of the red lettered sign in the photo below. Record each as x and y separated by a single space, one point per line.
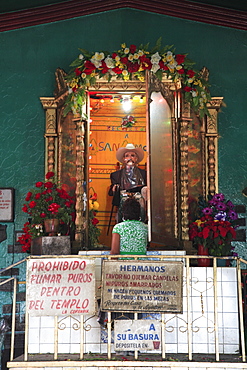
60 286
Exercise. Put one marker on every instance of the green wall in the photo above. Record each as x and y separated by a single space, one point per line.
30 56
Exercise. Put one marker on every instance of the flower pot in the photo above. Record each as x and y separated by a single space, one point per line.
51 226
201 251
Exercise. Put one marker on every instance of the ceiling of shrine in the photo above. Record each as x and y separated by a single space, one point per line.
13 5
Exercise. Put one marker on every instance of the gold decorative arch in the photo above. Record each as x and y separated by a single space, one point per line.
194 140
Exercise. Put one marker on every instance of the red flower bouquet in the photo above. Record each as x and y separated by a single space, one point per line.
46 201
215 227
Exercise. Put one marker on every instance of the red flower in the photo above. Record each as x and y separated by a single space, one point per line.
53 208
95 221
124 60
48 184
49 175
42 214
32 204
29 194
132 49
180 71
89 67
94 196
37 196
133 67
114 55
104 69
145 62
117 70
180 58
187 88
205 232
77 71
25 208
163 65
39 184
190 73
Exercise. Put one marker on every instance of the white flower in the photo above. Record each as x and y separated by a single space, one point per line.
81 56
136 56
169 56
70 90
109 62
126 51
172 65
190 80
155 68
83 75
125 72
97 59
155 58
140 53
131 57
194 93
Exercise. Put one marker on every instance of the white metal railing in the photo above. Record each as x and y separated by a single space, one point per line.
165 322
5 281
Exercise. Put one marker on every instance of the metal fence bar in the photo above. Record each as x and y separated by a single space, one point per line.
55 337
163 341
188 293
240 308
109 335
136 351
216 327
26 335
82 338
12 347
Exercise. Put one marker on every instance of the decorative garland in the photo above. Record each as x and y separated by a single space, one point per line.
130 63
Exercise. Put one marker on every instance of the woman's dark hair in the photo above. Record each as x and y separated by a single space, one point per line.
131 209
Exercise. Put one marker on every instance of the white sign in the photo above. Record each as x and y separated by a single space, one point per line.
142 286
60 286
6 204
137 335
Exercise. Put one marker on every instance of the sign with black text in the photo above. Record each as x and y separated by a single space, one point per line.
137 335
143 286
60 286
6 204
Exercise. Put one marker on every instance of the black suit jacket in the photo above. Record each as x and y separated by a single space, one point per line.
116 178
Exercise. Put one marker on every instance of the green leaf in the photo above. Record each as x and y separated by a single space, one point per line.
76 63
85 53
159 74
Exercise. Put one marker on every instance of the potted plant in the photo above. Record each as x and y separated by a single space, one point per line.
49 204
214 227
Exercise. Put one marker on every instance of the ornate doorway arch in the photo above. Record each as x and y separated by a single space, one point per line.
193 150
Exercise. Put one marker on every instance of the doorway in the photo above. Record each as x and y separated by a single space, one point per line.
116 119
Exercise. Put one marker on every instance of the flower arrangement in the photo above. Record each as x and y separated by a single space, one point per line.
93 230
128 121
215 227
45 201
131 63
